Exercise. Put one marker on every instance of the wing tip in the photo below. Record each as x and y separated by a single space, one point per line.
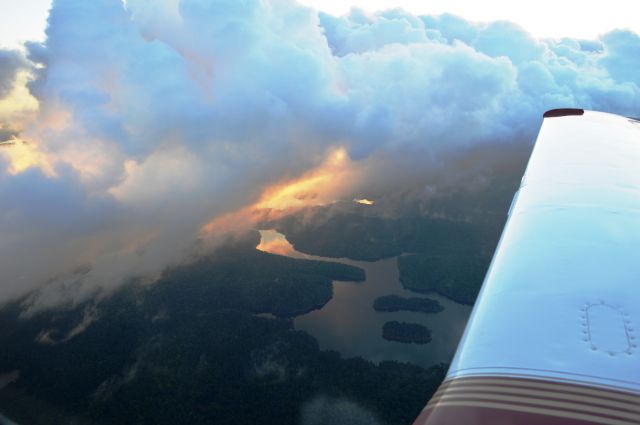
563 112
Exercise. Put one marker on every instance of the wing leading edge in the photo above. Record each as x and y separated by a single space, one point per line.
552 337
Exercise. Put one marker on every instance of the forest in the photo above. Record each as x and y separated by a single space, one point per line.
190 349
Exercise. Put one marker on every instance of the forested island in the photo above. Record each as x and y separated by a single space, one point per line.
449 257
406 332
259 282
368 238
391 303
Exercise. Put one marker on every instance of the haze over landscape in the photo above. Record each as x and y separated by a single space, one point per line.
149 141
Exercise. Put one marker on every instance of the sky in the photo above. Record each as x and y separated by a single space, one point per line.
142 136
543 18
21 21
26 19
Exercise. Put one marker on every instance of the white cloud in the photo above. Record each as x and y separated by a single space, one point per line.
156 120
544 18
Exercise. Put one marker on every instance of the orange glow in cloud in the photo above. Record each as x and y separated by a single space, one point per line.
17 111
320 186
19 106
21 112
23 155
332 180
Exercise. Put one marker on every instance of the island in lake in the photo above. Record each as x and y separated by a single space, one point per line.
449 256
456 275
392 303
406 332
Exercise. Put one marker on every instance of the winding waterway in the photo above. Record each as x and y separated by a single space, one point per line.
349 324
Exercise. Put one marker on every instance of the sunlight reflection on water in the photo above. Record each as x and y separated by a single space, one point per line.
349 324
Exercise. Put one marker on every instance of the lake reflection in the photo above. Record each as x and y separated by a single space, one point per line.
349 324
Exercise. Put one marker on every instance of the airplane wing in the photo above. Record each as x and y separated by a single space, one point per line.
553 337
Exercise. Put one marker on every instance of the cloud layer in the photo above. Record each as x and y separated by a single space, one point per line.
157 117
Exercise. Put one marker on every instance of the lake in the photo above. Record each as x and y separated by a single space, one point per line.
349 324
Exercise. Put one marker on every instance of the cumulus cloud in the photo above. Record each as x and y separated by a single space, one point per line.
622 58
157 116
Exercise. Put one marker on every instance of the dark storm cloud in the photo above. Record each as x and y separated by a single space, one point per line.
10 63
7 133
